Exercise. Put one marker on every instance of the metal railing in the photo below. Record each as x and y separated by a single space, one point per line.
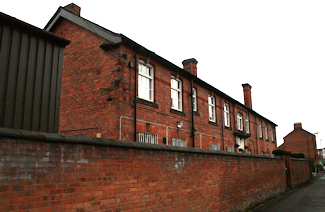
146 137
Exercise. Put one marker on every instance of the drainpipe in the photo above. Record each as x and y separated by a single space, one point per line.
192 100
235 127
223 121
135 95
257 134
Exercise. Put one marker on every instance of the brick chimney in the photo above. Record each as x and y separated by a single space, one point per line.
247 95
297 125
73 8
189 65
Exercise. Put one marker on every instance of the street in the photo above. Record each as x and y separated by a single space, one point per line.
307 198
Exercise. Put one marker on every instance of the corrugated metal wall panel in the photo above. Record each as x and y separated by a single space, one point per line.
12 79
21 82
58 90
46 87
30 81
54 79
38 85
4 60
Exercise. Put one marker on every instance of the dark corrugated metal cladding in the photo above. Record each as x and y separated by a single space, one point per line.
30 80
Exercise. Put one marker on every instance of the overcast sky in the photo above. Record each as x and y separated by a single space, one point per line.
277 46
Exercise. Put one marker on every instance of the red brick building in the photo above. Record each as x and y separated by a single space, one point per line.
118 88
300 141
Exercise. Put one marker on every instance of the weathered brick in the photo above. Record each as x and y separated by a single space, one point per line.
135 179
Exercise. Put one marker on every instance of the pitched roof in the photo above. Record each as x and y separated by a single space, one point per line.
298 129
118 39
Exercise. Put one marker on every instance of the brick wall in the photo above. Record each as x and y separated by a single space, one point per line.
52 172
89 78
300 171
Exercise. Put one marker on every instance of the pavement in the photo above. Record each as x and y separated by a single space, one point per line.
309 197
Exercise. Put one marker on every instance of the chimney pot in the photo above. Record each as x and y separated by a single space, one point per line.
247 95
73 8
190 65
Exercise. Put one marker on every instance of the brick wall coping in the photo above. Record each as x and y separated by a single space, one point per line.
78 139
300 159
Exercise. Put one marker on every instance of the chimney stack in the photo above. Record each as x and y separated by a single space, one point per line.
73 8
247 95
190 65
297 125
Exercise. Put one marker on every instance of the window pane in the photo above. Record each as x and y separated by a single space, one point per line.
210 112
178 84
145 82
174 83
148 71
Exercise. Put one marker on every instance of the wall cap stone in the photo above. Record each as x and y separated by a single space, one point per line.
65 138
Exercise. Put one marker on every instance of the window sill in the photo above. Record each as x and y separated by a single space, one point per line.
241 134
228 128
213 123
146 102
196 113
177 112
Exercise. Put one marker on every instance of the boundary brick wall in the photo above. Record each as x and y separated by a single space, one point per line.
301 171
53 172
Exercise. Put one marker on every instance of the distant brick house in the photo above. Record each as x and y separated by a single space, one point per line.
115 86
300 140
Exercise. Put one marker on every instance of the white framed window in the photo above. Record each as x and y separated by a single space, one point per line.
239 121
212 108
260 129
240 143
226 114
214 146
272 138
178 142
247 123
194 100
176 93
145 81
266 134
